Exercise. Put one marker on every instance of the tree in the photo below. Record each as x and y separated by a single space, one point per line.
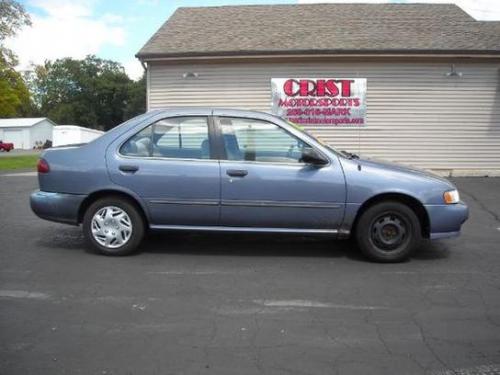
13 17
14 96
136 102
91 92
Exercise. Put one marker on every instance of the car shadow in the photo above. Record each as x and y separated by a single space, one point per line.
238 244
432 250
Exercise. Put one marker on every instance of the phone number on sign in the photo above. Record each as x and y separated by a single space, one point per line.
318 112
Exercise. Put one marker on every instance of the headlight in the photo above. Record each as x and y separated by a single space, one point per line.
451 197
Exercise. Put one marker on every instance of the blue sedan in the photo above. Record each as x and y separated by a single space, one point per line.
238 171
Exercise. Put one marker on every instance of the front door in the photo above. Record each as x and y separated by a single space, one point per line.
169 164
265 184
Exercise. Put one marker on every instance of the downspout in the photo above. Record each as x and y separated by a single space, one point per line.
145 67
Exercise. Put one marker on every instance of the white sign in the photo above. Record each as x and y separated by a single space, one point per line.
320 101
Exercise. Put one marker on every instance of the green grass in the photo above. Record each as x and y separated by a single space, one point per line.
8 163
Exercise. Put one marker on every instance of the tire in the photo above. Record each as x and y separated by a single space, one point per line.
388 232
118 228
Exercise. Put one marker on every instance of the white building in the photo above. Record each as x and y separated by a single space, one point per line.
25 133
72 134
431 74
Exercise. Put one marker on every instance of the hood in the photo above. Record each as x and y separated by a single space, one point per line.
390 166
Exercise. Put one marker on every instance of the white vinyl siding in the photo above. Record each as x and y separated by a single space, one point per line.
415 113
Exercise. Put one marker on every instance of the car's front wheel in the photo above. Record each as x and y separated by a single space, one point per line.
388 232
113 226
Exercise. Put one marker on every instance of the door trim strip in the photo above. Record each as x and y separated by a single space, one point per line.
288 204
246 203
244 229
189 202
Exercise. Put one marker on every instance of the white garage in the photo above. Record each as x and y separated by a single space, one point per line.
26 133
72 134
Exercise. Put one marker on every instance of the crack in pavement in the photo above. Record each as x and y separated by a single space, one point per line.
429 347
493 214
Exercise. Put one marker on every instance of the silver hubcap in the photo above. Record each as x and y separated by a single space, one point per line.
111 227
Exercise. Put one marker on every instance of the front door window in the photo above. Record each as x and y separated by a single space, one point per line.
260 141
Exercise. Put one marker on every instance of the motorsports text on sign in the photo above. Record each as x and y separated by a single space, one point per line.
320 101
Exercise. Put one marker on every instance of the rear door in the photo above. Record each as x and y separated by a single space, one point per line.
171 166
265 184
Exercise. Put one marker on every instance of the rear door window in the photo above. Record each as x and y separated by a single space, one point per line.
173 138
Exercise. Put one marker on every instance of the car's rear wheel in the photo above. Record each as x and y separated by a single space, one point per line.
388 232
113 226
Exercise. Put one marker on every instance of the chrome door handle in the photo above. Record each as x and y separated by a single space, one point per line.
128 168
236 172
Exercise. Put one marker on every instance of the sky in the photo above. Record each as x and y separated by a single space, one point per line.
116 30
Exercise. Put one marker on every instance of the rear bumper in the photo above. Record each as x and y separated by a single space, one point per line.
446 220
58 207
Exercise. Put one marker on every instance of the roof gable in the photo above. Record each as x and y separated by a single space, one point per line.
321 28
22 122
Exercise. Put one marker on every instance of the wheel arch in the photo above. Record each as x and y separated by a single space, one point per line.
412 202
91 198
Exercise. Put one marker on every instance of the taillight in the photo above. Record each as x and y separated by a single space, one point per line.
42 166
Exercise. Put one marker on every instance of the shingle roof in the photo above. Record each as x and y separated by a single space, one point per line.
22 122
322 28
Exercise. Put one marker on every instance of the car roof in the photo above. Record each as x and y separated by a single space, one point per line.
160 113
216 111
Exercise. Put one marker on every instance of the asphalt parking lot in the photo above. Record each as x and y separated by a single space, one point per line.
232 304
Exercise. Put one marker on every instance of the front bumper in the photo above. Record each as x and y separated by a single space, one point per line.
447 219
58 207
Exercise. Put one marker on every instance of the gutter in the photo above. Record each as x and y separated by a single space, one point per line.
146 58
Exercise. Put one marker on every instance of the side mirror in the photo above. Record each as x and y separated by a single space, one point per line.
310 156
